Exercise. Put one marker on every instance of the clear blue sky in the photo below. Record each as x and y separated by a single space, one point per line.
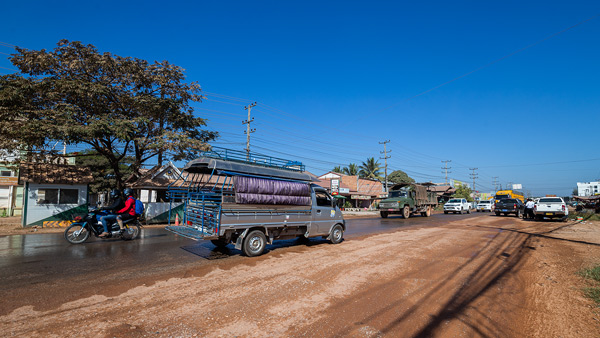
333 79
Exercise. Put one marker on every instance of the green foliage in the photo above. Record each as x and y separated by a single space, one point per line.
463 191
351 169
347 204
337 169
118 106
370 169
104 175
399 176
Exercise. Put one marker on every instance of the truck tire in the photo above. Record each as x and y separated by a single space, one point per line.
445 212
219 243
406 211
469 211
254 243
518 213
337 234
384 214
460 212
497 213
427 212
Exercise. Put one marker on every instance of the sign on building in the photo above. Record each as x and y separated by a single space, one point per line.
335 186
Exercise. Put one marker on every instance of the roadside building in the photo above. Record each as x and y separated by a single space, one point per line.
11 192
443 191
359 192
152 187
588 188
54 193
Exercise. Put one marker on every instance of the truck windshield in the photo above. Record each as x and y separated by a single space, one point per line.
397 193
454 201
501 197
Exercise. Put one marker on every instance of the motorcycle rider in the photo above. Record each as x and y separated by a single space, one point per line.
117 204
128 212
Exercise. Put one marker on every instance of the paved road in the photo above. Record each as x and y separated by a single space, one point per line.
43 270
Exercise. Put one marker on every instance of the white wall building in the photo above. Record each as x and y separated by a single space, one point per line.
588 188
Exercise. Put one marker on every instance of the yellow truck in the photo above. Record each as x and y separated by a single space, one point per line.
502 194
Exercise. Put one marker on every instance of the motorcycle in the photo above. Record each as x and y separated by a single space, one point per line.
82 227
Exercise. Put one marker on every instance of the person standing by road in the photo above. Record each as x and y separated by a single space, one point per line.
529 209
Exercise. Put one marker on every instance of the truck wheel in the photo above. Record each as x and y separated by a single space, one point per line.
460 212
428 211
468 211
518 214
337 234
254 243
384 214
445 212
497 213
406 211
219 243
538 217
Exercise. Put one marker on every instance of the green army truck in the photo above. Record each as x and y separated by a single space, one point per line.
407 199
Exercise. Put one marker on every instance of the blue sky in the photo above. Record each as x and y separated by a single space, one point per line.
333 79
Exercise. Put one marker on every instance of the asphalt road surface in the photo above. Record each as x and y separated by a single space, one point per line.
32 265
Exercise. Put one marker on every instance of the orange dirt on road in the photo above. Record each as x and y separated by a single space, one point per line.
484 276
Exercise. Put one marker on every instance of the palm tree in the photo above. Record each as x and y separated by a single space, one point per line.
351 169
370 169
337 169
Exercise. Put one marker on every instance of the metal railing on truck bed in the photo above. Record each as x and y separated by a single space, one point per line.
207 182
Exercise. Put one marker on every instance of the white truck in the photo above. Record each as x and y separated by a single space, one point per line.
551 207
457 205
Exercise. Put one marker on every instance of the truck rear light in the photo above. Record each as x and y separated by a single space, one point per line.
563 207
515 205
534 207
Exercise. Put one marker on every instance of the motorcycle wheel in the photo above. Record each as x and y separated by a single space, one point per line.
71 234
137 231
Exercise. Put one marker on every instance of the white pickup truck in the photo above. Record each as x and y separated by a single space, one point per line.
457 205
550 207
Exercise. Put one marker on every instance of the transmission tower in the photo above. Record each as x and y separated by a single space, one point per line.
446 167
248 130
474 177
385 157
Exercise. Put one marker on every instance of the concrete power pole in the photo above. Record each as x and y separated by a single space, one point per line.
248 130
446 167
495 182
473 176
385 157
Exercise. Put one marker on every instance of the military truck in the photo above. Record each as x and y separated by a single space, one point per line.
408 199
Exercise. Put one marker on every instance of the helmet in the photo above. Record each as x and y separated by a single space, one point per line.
115 193
128 192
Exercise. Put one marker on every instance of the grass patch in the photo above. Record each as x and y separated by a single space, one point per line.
591 273
586 216
592 276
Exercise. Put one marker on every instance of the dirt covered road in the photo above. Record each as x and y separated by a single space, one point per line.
484 276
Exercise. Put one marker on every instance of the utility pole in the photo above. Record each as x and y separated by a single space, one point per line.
248 130
473 176
385 157
446 167
495 182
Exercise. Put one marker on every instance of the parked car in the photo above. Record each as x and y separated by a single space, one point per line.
485 206
457 205
551 207
509 206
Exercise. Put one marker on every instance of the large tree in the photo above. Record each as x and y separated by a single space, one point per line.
463 191
118 106
370 169
399 176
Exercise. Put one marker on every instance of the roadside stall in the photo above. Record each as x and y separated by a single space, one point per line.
54 193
